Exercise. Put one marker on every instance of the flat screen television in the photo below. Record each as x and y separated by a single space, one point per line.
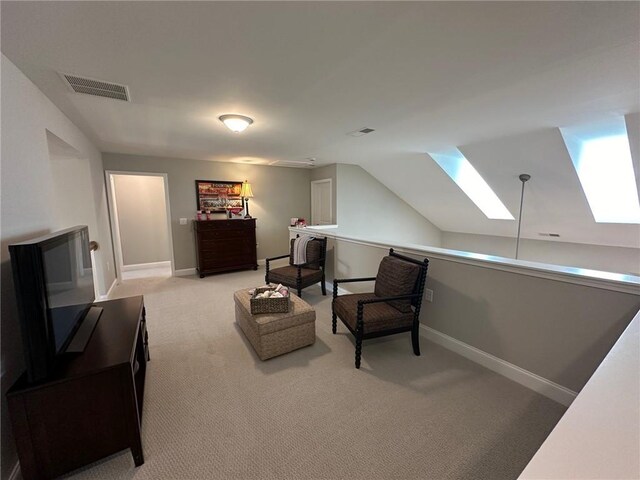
53 279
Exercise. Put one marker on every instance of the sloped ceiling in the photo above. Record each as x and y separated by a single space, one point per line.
495 79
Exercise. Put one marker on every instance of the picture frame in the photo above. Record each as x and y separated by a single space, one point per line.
218 195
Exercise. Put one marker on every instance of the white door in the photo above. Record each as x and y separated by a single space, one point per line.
321 208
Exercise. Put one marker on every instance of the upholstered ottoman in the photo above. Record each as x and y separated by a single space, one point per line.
273 334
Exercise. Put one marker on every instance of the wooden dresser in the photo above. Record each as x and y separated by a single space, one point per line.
225 245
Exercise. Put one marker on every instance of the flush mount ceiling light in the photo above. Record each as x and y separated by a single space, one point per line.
236 123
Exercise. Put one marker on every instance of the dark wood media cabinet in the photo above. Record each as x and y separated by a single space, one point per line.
91 406
225 245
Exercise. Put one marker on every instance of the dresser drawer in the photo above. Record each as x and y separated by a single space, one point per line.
221 225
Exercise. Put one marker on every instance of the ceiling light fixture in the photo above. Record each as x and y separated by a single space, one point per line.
236 123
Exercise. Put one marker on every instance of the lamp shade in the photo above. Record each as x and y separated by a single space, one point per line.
246 191
236 123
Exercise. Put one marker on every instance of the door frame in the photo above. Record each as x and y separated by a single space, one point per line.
314 183
113 215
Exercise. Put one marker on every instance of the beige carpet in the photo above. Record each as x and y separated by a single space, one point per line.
213 410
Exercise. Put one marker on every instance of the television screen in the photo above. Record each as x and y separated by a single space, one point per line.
68 283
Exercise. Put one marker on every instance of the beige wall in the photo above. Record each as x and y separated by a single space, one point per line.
367 208
34 203
280 193
559 331
142 218
596 257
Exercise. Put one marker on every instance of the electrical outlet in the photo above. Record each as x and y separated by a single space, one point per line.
428 294
183 221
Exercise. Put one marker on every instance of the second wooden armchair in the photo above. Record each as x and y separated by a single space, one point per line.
393 306
301 276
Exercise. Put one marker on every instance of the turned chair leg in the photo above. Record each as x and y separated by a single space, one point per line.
334 321
415 338
324 288
358 350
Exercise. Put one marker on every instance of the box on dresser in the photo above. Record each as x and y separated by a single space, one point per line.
225 245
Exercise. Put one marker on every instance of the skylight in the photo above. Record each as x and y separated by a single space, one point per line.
602 158
469 180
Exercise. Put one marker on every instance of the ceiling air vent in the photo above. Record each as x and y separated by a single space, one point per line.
292 163
97 88
549 234
361 132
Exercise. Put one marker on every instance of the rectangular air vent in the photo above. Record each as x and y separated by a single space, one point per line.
292 163
549 234
97 88
361 132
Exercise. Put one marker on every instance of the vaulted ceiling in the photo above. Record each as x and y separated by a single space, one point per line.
495 79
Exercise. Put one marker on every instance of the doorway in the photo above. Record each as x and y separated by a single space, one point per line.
141 224
321 202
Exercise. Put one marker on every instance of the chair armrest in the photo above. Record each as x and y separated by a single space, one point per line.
351 280
388 299
336 281
276 258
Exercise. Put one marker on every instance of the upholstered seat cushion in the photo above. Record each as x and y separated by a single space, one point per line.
287 276
314 253
396 277
376 316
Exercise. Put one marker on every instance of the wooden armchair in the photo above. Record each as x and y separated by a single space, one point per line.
393 306
301 276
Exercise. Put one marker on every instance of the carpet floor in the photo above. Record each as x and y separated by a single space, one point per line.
213 410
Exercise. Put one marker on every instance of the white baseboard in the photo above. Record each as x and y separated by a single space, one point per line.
185 272
146 266
108 294
262 261
15 472
528 379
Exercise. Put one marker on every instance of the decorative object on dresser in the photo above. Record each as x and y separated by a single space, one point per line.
393 306
90 407
303 275
218 195
246 193
225 245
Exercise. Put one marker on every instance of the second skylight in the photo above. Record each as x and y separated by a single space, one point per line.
469 180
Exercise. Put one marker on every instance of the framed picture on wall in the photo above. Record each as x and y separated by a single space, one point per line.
218 195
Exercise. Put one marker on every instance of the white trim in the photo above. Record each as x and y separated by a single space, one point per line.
313 184
15 472
580 276
184 272
108 294
524 377
113 214
262 261
146 266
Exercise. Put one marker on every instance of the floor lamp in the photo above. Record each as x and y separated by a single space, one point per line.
524 177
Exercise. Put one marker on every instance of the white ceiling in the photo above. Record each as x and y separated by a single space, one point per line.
494 79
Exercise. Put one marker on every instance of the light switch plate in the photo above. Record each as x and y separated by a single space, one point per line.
183 221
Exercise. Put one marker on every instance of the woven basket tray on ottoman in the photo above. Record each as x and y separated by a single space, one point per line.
273 334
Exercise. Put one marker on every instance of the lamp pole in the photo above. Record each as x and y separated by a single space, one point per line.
523 178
